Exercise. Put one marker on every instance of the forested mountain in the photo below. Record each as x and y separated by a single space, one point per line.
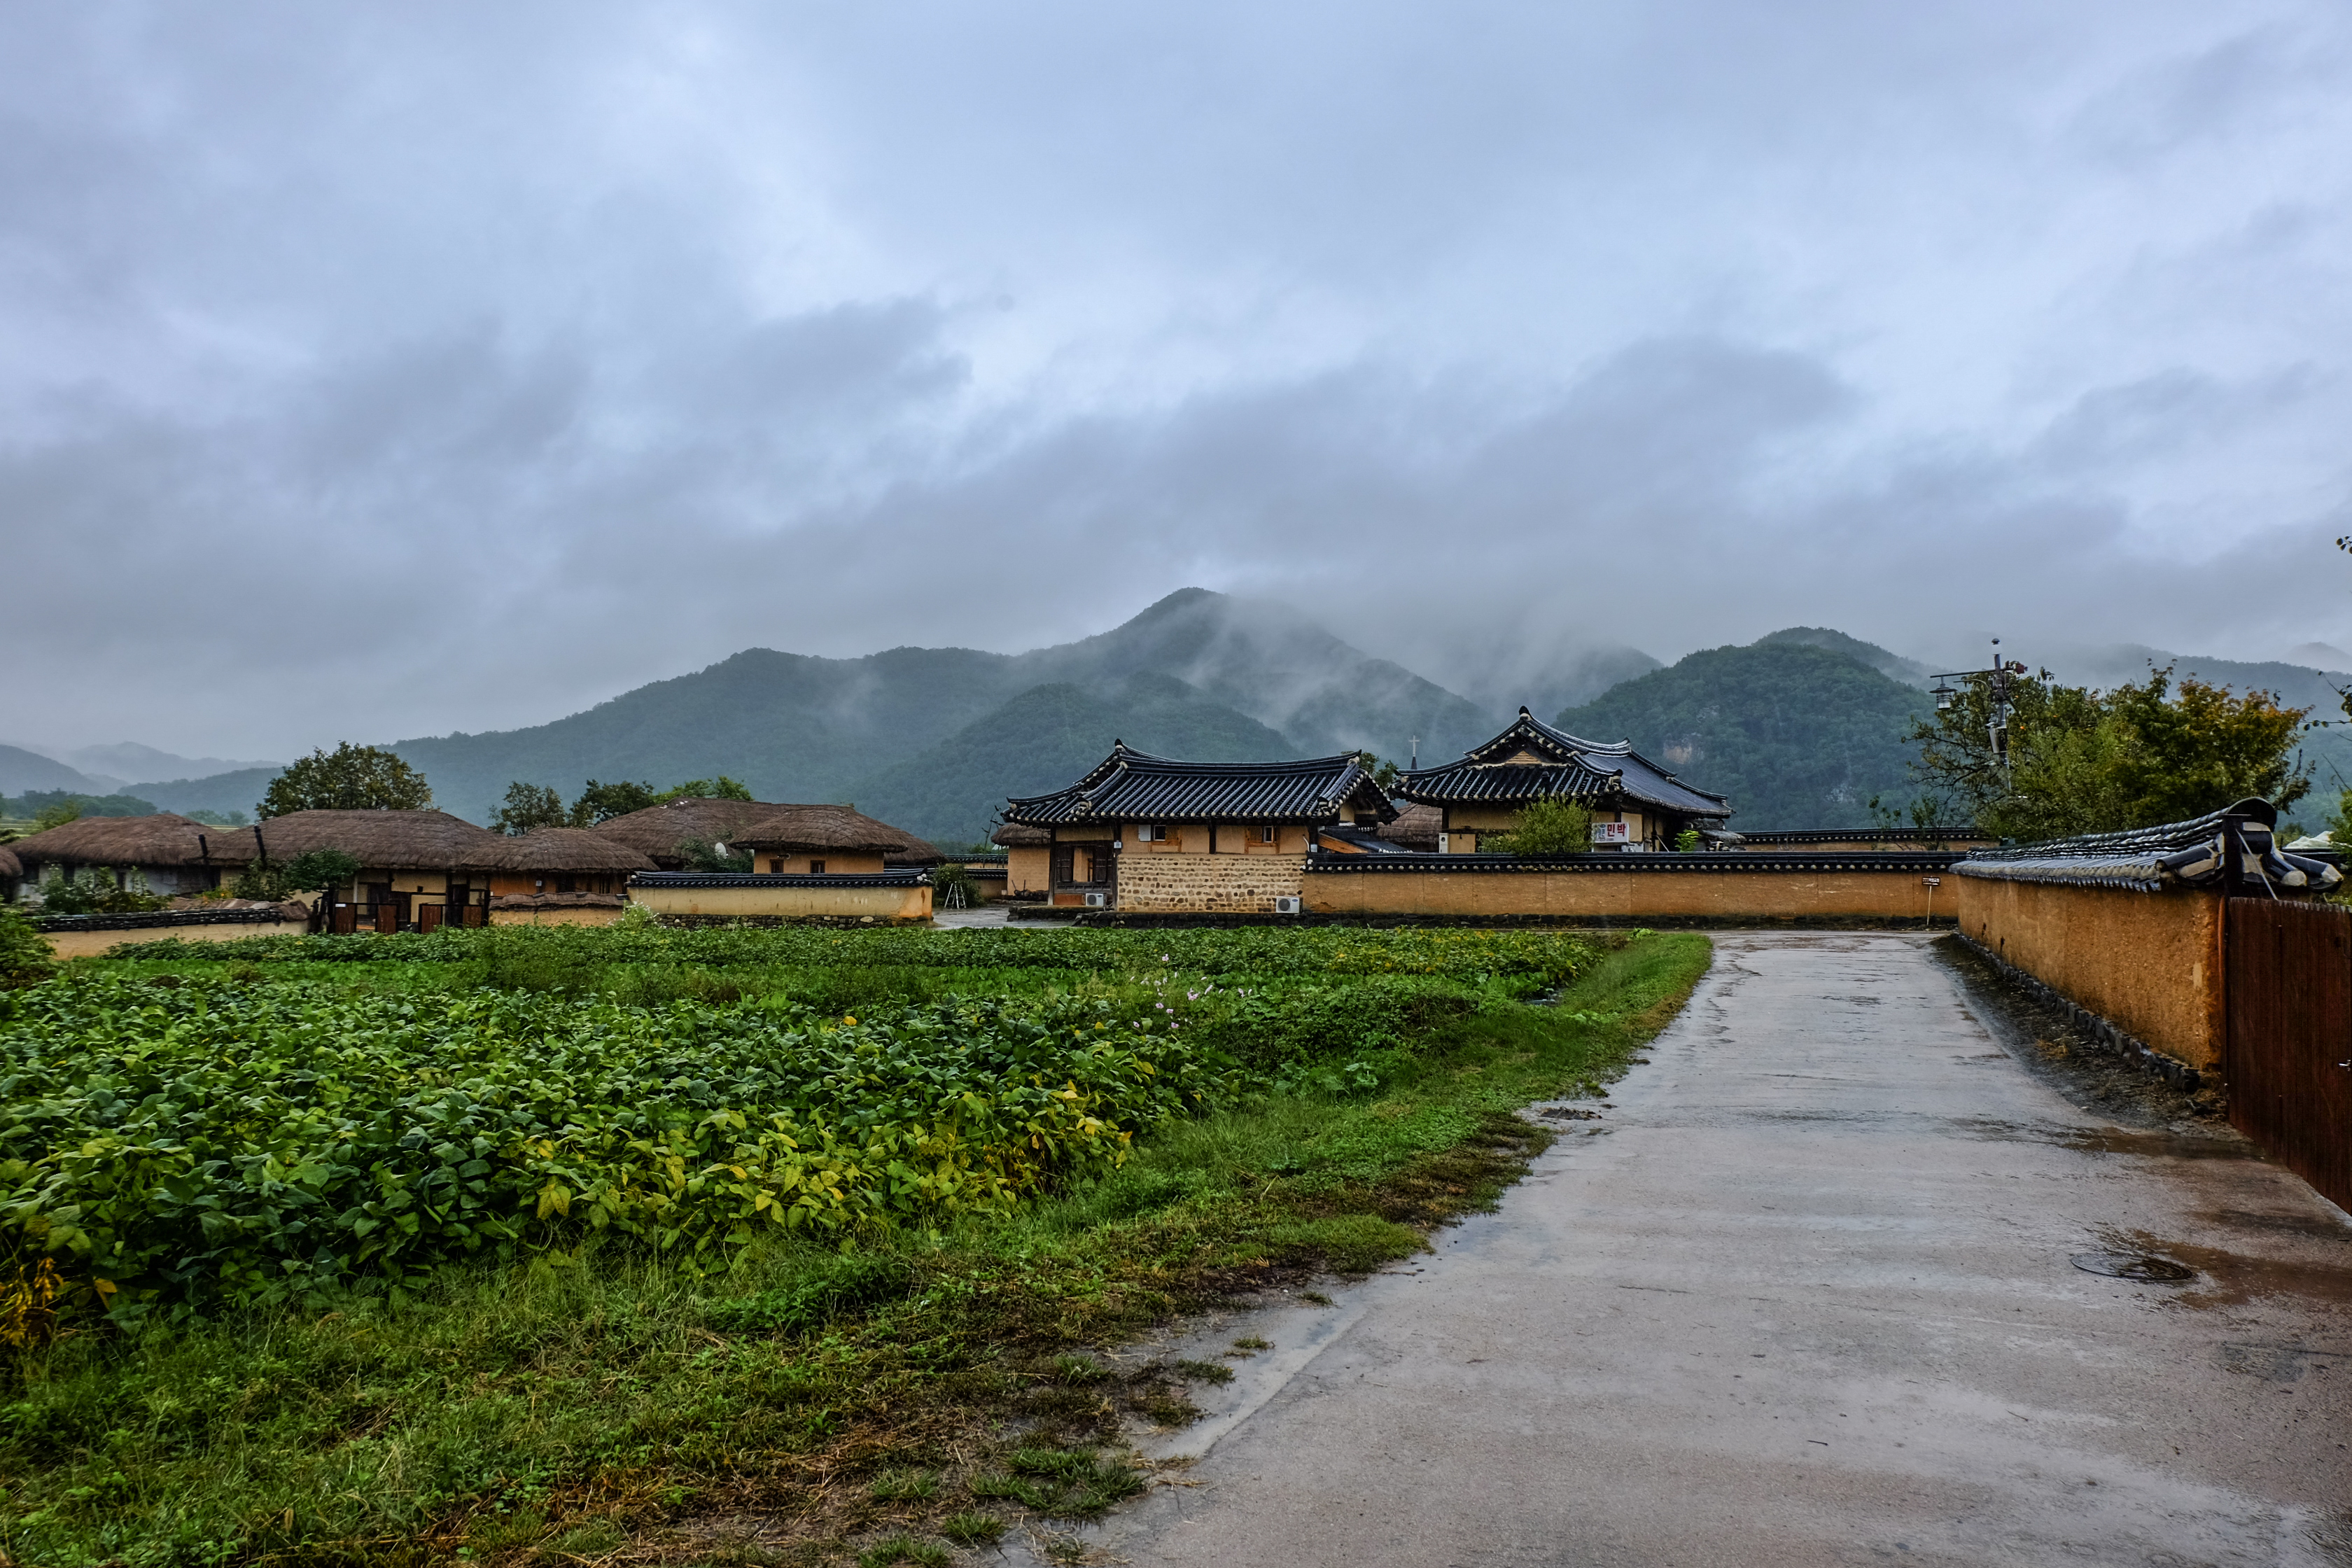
1893 666
1801 728
1047 736
1797 736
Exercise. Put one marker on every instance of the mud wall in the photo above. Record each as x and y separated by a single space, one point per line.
2150 963
885 903
85 943
1900 895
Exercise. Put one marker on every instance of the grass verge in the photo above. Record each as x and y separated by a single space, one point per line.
807 1406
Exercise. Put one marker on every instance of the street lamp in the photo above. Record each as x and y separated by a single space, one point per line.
1997 726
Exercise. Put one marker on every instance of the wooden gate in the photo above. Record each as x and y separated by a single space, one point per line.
2288 1049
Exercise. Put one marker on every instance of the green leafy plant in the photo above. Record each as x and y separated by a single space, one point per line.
24 955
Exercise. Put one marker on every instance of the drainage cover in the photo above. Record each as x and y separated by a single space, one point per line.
2138 1266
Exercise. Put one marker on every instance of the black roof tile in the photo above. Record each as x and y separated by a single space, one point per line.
1129 785
1568 767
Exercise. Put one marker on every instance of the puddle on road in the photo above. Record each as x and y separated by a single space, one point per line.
2150 1143
2228 1279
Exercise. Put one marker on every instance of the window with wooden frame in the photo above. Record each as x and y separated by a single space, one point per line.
1267 833
817 868
1151 832
1081 865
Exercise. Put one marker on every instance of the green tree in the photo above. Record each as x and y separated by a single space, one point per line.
603 802
350 778
720 788
2087 762
528 807
1384 773
1552 826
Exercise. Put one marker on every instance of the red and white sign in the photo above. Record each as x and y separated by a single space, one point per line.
1612 832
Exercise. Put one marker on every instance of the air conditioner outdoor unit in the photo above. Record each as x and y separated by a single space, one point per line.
1286 906
1097 901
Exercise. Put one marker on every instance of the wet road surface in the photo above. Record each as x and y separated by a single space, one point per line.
1807 1296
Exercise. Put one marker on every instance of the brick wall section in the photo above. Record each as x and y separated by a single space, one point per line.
2148 963
1214 884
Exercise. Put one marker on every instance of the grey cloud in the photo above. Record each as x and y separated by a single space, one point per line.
377 371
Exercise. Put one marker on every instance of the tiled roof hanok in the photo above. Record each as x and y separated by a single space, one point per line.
1567 768
1129 785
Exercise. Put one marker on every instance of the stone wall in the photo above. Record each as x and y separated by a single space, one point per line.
2150 963
1216 884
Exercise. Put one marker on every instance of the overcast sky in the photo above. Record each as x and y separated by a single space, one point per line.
370 371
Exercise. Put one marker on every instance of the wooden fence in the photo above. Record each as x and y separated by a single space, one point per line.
2287 1040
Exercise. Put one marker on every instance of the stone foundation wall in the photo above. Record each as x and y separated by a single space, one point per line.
1213 884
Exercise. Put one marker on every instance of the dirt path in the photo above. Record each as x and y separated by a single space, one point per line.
1806 1296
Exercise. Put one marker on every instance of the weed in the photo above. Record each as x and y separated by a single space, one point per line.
1250 1344
904 1486
1206 1371
1079 1370
902 1548
972 1529
1316 1297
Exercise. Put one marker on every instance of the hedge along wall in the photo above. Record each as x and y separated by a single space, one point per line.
2149 963
1876 889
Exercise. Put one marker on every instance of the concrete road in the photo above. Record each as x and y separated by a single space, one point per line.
1806 1296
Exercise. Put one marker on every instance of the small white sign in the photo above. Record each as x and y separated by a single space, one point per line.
1612 832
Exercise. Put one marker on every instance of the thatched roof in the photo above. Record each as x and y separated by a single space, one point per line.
163 840
10 866
1020 836
820 827
388 840
569 849
663 831
1417 827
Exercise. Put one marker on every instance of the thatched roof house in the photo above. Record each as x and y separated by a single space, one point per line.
789 836
428 869
174 854
11 870
1020 836
827 839
572 862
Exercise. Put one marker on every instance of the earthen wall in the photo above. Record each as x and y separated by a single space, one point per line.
2148 963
